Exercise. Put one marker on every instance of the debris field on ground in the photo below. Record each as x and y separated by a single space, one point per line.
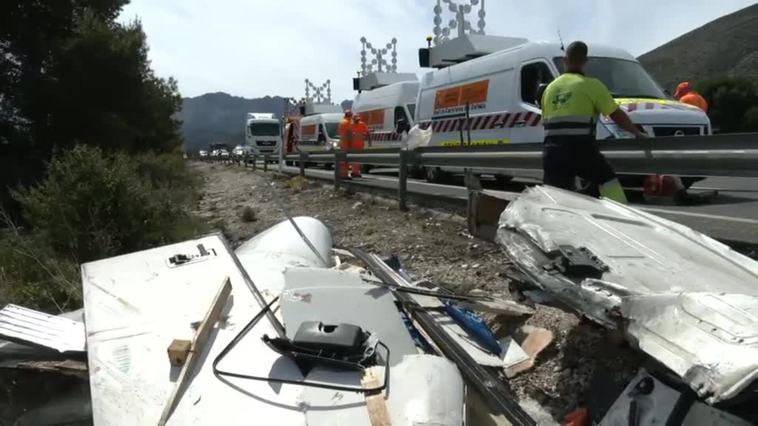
433 246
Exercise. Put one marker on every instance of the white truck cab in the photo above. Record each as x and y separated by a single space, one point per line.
263 133
499 91
384 100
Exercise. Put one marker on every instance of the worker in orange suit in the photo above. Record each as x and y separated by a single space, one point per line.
360 136
346 139
686 94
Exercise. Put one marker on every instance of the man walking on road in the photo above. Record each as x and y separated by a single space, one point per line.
346 140
360 136
570 108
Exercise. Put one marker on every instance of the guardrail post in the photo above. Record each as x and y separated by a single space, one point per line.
340 157
303 157
265 163
402 181
255 162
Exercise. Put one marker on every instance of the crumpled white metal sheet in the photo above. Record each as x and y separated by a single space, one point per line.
687 300
136 304
28 326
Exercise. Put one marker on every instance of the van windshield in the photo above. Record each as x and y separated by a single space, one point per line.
624 78
332 129
264 129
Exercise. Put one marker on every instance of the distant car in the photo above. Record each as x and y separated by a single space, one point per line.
215 152
202 153
223 153
240 151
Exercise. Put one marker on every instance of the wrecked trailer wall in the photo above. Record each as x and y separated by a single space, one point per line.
685 299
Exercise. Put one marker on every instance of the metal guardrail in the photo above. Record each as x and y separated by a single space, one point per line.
733 155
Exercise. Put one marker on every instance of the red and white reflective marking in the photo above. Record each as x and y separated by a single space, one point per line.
485 122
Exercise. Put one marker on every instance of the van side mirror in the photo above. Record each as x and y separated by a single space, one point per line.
538 96
423 57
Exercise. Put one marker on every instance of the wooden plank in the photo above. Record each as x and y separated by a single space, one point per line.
198 342
375 403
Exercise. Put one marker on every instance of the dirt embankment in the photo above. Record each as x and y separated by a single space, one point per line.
436 247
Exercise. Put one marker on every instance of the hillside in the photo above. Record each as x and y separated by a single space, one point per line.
220 117
726 46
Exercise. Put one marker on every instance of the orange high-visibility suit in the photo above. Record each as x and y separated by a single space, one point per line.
686 94
346 137
694 98
360 136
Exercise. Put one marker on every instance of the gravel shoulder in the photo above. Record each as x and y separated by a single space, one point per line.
433 246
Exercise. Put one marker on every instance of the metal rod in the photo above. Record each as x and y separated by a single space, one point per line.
265 163
486 381
402 182
303 157
468 124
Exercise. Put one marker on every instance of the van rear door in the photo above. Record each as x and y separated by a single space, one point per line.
527 125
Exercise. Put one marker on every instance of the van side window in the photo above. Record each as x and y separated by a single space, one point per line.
400 115
532 75
401 120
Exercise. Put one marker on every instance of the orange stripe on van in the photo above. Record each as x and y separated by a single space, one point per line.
459 96
309 130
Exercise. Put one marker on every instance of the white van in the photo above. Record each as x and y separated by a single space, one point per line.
383 108
319 133
263 133
500 90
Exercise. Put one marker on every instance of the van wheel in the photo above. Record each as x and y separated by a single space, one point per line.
436 175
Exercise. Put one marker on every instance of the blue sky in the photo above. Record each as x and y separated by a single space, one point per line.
254 48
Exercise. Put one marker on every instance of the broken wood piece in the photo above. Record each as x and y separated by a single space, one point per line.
378 413
537 339
178 351
198 342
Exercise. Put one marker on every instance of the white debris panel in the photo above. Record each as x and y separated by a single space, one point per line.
685 299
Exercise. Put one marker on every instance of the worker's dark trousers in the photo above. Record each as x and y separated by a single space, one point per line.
565 157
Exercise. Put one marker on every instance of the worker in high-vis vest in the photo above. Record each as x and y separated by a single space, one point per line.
360 136
346 140
686 94
571 105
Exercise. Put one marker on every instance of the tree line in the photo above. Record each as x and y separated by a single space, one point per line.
90 147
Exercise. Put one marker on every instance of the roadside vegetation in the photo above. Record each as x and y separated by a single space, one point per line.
733 103
90 150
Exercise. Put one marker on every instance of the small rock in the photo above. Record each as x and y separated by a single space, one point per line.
357 205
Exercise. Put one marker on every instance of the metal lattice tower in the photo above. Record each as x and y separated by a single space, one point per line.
318 92
380 57
442 34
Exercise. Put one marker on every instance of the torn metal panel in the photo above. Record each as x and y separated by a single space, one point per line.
687 300
137 304
28 326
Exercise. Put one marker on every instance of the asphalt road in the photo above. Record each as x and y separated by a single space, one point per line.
731 215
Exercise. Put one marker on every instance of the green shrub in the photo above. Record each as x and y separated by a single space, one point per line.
750 123
729 100
248 214
32 276
93 205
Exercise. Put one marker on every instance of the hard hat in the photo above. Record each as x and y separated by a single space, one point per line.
682 89
348 113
